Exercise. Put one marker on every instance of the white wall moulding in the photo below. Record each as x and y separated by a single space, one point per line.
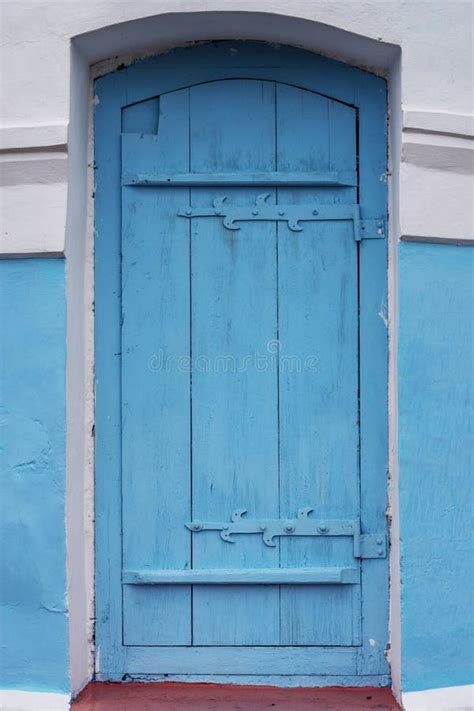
436 177
35 137
434 205
13 700
439 152
442 122
33 220
441 141
33 167
451 698
33 190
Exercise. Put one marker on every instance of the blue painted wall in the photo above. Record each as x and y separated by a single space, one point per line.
435 391
435 370
33 606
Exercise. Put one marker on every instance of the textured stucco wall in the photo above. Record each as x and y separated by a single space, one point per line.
436 419
33 604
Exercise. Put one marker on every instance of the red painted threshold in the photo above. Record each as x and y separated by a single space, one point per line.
172 696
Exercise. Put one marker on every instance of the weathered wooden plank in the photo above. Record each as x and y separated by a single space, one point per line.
241 660
299 178
243 576
234 405
108 524
343 155
317 275
155 392
373 379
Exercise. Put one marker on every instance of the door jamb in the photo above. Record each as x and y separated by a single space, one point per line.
80 531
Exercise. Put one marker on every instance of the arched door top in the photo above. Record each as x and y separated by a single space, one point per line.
187 66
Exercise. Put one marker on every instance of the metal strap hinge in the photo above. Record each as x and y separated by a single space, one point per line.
364 546
371 229
293 215
372 545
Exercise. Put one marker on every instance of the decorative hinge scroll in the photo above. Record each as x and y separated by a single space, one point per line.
291 214
365 546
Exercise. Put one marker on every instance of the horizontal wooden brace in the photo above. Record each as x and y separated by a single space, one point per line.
234 660
242 576
345 178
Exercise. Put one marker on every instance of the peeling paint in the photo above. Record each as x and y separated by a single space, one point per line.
383 312
57 609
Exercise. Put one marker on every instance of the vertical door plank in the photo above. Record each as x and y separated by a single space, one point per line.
155 391
317 272
107 336
343 156
234 405
374 377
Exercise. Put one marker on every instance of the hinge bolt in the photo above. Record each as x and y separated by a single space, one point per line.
315 212
322 528
379 541
196 526
281 212
289 528
254 212
263 527
189 212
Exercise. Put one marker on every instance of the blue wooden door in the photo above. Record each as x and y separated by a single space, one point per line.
243 540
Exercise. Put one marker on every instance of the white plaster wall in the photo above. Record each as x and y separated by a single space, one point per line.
435 38
12 700
424 49
458 698
434 35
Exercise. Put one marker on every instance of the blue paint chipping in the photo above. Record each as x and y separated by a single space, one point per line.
33 605
435 370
